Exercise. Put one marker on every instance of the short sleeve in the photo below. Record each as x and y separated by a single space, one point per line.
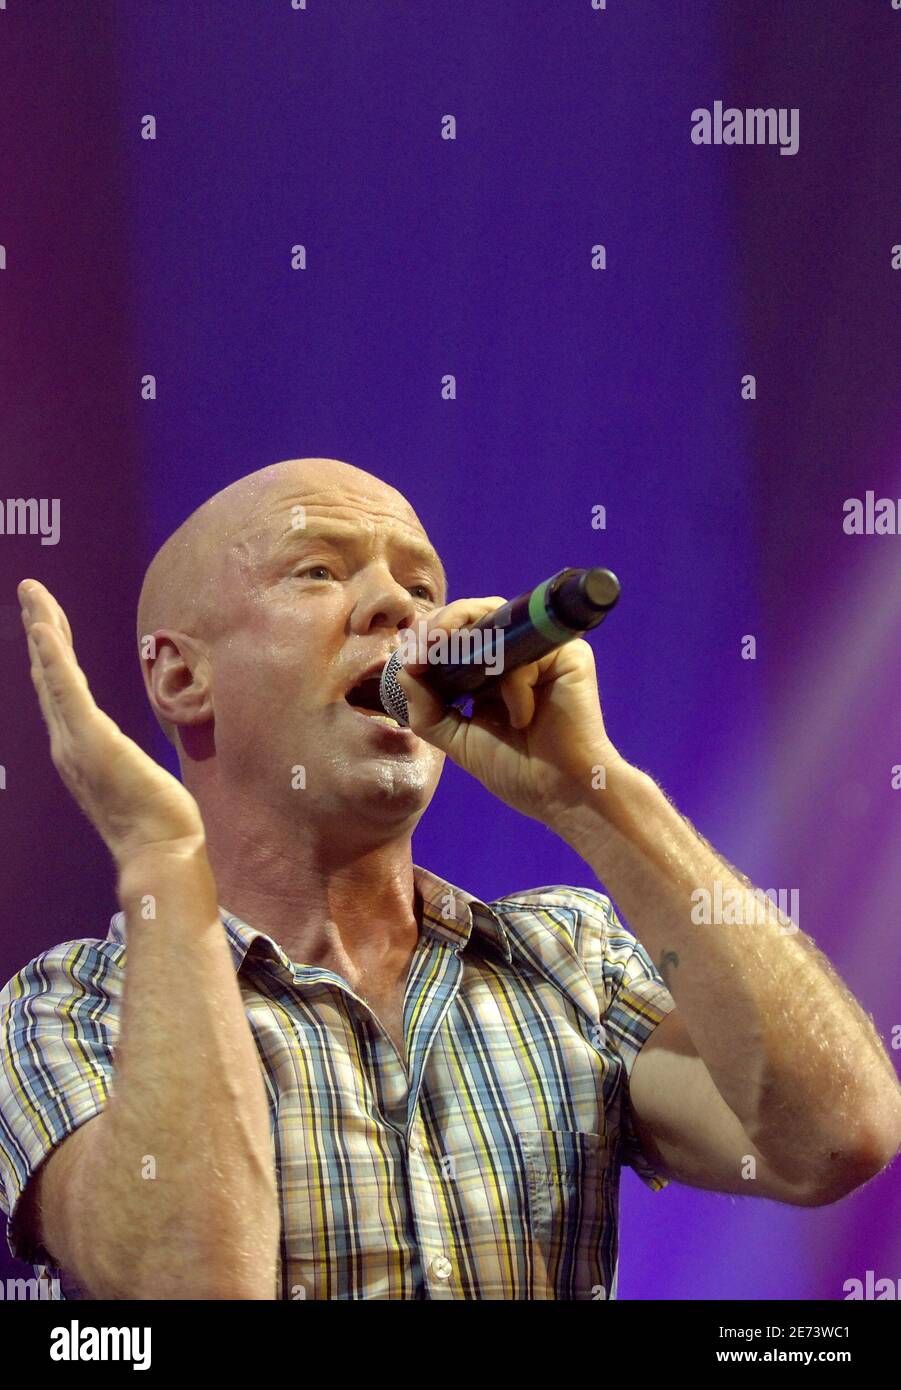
59 1024
634 1000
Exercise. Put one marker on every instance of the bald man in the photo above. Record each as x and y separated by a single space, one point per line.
300 1065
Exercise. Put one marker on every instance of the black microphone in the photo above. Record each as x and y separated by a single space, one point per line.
525 628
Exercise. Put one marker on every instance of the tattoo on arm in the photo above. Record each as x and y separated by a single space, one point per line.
669 958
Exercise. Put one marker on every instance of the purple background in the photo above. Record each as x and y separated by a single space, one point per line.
574 388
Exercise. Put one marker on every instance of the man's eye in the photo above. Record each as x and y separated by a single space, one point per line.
312 569
323 571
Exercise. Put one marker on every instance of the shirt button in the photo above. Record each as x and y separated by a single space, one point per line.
441 1267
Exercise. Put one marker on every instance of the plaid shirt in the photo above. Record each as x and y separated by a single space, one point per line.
486 1168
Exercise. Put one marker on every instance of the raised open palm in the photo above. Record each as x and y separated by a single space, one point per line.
135 804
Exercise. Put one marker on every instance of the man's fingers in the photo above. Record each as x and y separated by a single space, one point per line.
62 685
61 620
463 612
45 700
517 689
44 608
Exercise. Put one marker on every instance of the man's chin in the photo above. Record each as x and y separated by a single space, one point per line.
379 771
395 791
391 789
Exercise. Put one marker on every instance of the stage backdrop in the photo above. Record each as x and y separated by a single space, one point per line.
259 206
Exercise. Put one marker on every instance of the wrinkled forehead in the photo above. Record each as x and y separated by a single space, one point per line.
292 507
288 511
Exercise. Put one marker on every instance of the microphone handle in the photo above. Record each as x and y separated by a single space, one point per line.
569 603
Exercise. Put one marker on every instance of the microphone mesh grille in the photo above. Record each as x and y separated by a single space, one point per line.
391 694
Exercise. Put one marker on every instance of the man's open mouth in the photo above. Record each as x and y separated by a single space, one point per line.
364 697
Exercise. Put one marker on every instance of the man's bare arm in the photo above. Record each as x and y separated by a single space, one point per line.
170 1192
174 1194
790 1051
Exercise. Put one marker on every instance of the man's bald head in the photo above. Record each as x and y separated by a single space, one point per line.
184 585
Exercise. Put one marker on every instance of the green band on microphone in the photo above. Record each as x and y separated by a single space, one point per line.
542 620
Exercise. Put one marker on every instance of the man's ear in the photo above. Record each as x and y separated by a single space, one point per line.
176 677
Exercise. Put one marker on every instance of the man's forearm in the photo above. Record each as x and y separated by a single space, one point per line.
186 1204
788 1047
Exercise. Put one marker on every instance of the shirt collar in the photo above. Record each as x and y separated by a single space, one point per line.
454 914
448 912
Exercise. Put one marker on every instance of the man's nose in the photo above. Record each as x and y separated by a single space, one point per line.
383 603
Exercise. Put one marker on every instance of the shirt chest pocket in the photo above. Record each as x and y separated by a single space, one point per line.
566 1181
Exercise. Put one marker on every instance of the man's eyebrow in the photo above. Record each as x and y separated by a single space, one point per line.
293 536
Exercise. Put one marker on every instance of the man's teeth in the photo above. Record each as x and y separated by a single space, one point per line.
382 718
